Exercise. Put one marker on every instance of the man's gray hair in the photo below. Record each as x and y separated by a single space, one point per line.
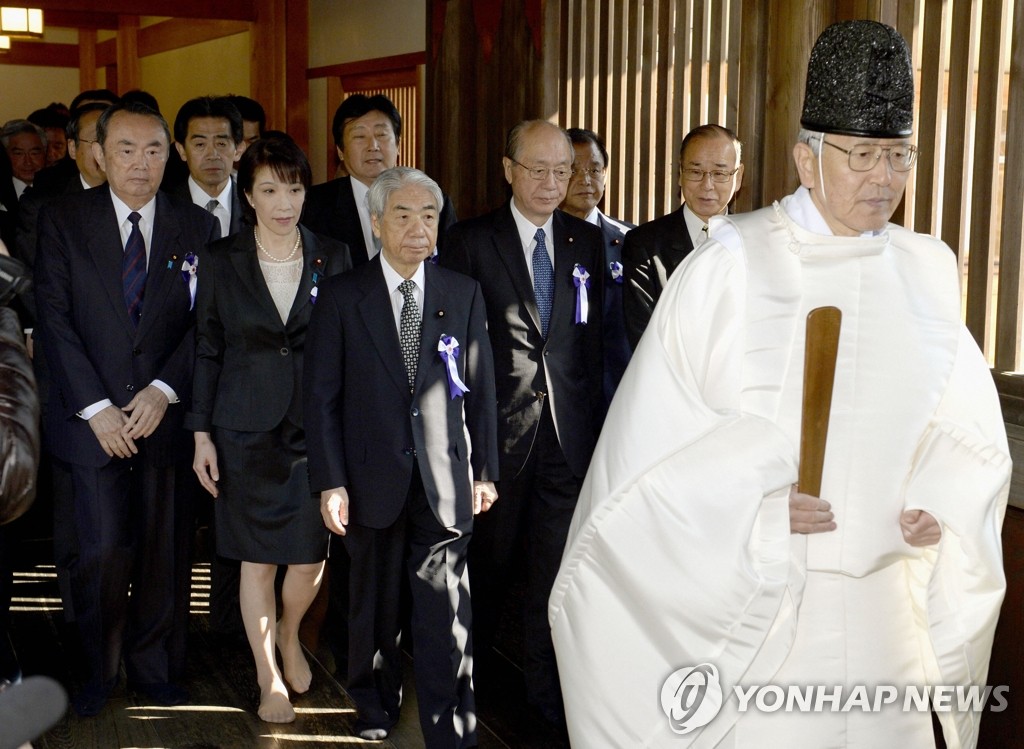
395 179
812 138
16 127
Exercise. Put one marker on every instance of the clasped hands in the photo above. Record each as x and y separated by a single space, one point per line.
810 514
116 429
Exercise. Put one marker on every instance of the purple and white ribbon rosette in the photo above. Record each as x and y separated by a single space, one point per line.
581 280
448 348
615 268
189 273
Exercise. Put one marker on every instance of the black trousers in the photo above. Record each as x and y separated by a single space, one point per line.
433 558
132 533
526 527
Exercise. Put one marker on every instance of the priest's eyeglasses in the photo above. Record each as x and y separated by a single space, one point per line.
539 172
864 156
698 175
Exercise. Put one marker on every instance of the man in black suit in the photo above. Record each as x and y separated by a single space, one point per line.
208 138
540 270
67 177
367 131
25 148
401 432
586 190
116 321
710 174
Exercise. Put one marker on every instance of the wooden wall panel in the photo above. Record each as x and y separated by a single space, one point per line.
1011 281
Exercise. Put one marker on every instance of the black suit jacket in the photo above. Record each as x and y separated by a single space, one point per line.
235 224
650 254
330 209
248 374
93 350
27 238
568 365
365 431
617 350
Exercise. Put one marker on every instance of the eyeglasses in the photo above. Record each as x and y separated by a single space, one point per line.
863 156
595 173
539 172
697 175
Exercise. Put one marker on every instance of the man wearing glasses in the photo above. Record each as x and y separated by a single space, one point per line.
710 174
893 574
540 271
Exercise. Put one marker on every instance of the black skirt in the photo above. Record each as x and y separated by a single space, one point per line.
265 512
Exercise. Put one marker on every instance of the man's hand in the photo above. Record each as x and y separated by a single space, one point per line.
146 411
920 528
484 495
204 462
808 514
108 426
334 508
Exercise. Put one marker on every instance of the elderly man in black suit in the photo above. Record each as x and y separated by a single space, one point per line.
540 270
710 174
117 323
208 137
401 432
367 131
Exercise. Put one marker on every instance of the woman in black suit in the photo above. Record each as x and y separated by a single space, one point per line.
255 292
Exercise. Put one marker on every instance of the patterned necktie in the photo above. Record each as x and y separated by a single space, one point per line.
543 281
409 330
212 206
133 269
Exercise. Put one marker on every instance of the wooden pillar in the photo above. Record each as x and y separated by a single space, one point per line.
489 65
86 59
267 61
788 53
129 71
296 62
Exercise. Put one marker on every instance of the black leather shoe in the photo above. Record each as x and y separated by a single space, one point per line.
90 701
164 695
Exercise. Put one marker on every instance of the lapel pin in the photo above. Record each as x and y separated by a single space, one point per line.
440 313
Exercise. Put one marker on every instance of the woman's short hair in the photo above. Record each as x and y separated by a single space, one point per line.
282 155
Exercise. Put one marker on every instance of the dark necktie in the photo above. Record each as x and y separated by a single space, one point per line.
133 269
409 330
212 206
543 281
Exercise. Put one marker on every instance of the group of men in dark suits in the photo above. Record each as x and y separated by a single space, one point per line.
503 391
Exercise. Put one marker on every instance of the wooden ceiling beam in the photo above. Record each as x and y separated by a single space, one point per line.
172 34
228 10
41 53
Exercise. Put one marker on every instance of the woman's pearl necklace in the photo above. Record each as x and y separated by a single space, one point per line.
298 244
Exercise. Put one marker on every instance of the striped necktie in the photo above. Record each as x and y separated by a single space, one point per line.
133 269
543 281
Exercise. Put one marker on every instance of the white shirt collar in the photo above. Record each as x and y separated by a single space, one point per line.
694 225
360 193
19 186
148 213
200 197
394 279
528 229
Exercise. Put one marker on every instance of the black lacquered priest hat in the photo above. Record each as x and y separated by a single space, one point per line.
860 82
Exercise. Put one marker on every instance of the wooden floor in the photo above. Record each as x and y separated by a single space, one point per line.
222 685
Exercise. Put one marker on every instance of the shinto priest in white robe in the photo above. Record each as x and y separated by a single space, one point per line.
680 552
